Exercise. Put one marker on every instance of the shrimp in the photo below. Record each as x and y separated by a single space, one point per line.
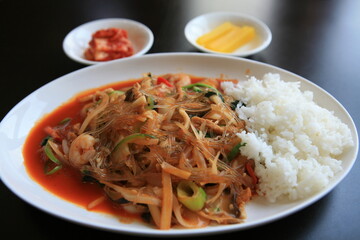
82 150
181 80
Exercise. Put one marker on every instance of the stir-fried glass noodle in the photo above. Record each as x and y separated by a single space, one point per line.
166 147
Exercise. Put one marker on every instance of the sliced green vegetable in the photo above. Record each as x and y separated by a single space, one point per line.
209 94
151 103
117 92
235 151
121 148
64 121
191 195
52 171
199 85
131 138
196 87
44 141
50 154
234 104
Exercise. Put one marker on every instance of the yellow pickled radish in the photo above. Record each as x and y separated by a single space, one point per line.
214 34
232 40
227 37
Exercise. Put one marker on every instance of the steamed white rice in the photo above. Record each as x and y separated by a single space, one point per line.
293 141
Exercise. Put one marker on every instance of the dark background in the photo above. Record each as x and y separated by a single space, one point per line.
317 39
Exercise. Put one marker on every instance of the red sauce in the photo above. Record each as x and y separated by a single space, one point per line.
67 183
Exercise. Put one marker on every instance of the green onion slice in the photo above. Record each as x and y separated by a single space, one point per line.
49 153
117 92
132 137
64 121
235 151
191 195
151 103
196 88
122 149
194 85
52 171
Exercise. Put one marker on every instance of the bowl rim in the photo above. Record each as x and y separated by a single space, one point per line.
259 23
82 60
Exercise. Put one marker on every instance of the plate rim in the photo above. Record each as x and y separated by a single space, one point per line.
187 232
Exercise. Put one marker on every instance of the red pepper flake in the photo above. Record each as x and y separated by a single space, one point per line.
109 44
163 80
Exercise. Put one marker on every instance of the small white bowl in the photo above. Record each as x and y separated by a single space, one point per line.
207 22
77 41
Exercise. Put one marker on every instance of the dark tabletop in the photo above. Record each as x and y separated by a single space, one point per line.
317 39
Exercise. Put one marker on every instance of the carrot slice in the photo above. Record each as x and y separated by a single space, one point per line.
167 201
175 171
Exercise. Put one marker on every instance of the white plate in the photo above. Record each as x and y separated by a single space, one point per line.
77 40
207 22
15 127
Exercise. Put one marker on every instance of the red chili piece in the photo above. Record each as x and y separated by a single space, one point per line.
163 80
251 172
